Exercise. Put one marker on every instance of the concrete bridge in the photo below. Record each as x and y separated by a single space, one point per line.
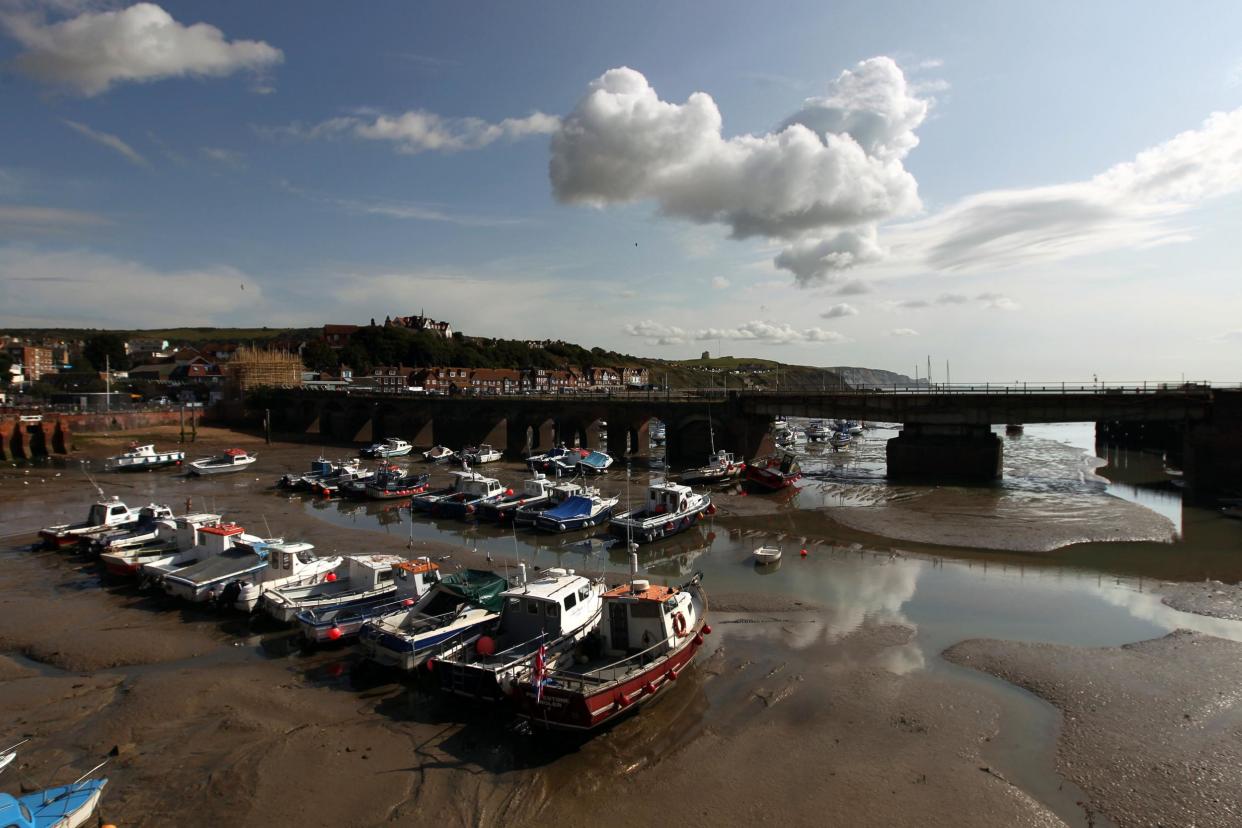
945 435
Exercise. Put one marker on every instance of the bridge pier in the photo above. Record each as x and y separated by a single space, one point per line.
964 453
1212 458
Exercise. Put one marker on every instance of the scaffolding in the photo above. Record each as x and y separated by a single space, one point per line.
256 368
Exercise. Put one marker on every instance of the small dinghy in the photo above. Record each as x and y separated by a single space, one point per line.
765 555
230 460
438 454
65 806
391 447
773 473
141 457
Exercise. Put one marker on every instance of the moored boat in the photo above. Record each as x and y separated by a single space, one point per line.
288 564
143 531
181 534
64 806
773 473
557 494
213 541
816 431
581 511
230 460
720 468
474 492
646 636
349 473
104 516
389 447
535 490
476 455
670 508
362 578
395 485
425 501
320 469
140 457
595 462
839 440
553 459
415 580
764 555
438 454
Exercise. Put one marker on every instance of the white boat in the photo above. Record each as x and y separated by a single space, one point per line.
816 431
144 531
104 516
143 457
360 579
8 754
721 467
581 511
230 460
438 454
390 447
670 508
479 454
839 440
172 537
535 491
212 541
766 554
557 494
288 564
219 578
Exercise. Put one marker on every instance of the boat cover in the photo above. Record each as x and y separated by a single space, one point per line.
595 460
477 587
575 507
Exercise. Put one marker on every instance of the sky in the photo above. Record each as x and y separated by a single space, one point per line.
1033 192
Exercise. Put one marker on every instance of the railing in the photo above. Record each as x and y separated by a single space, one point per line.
611 672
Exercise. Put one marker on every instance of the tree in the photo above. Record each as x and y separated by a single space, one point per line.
6 362
319 356
106 349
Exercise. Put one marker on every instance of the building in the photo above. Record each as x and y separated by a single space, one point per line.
391 379
492 381
635 377
36 361
420 323
338 336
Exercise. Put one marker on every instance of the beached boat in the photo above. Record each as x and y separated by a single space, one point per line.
720 468
554 459
349 473
460 606
670 508
287 564
766 554
439 454
172 537
1014 429
220 577
384 475
414 581
212 542
788 437
645 638
581 511
104 516
143 531
550 614
140 457
474 492
476 455
535 490
362 578
320 469
839 440
230 460
773 473
816 431
425 501
395 486
557 494
853 428
65 806
595 462
389 447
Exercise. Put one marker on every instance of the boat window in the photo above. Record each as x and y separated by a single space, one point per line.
571 601
118 510
25 811
553 609
532 607
386 575
644 609
584 593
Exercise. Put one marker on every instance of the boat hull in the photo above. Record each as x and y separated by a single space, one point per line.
157 462
647 532
549 524
768 481
203 470
407 653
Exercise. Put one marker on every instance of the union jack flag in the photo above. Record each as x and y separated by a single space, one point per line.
540 676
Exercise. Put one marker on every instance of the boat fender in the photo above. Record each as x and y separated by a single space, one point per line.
711 509
707 629
668 527
335 634
650 688
679 624
698 640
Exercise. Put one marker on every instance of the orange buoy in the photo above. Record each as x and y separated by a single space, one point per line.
335 634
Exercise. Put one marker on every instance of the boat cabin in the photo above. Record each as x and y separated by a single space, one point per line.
231 456
109 513
286 558
556 603
415 577
537 486
186 528
216 540
366 572
722 459
640 615
666 497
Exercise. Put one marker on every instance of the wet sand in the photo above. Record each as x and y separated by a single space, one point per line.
1213 598
1152 730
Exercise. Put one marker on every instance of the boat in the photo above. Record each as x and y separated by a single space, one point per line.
362 578
64 806
773 473
356 489
213 541
670 508
143 531
567 463
8 754
172 537
140 457
1014 429
395 485
476 455
415 580
817 432
548 461
764 555
549 614
788 437
839 440
220 577
438 454
458 607
389 447
721 467
349 473
595 462
580 511
474 492
645 638
536 490
658 432
288 564
425 501
320 469
230 460
853 428
557 494
104 516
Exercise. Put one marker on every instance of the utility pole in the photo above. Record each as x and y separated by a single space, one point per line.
108 381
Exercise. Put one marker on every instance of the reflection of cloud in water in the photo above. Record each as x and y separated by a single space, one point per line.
1148 607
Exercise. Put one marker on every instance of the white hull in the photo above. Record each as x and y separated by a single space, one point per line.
80 817
204 468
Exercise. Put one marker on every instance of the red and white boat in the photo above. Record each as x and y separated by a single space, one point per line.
647 634
773 473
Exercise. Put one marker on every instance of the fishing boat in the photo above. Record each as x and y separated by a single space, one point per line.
458 607
172 537
320 469
773 473
557 494
356 489
721 467
220 577
816 431
567 463
581 511
143 531
476 455
535 490
213 541
839 440
349 472
363 578
670 508
548 461
595 462
230 460
764 555
104 516
389 447
140 457
547 615
475 491
288 564
853 428
65 806
394 486
425 501
438 454
415 580
645 638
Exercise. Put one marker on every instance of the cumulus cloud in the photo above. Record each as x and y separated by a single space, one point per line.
820 181
839 310
90 53
720 282
421 131
110 141
903 332
760 331
1130 205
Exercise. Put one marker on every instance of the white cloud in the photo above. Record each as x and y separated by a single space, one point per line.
903 332
26 218
91 52
760 331
839 310
422 131
820 181
853 287
912 304
997 301
228 158
1130 205
657 333
720 282
952 299
111 142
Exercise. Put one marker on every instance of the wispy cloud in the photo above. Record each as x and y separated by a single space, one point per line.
419 131
758 331
989 299
228 158
839 310
903 332
402 210
27 218
720 282
110 141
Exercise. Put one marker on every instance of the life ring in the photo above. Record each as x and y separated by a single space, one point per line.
679 624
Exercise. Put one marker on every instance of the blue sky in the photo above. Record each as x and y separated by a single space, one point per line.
1028 191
